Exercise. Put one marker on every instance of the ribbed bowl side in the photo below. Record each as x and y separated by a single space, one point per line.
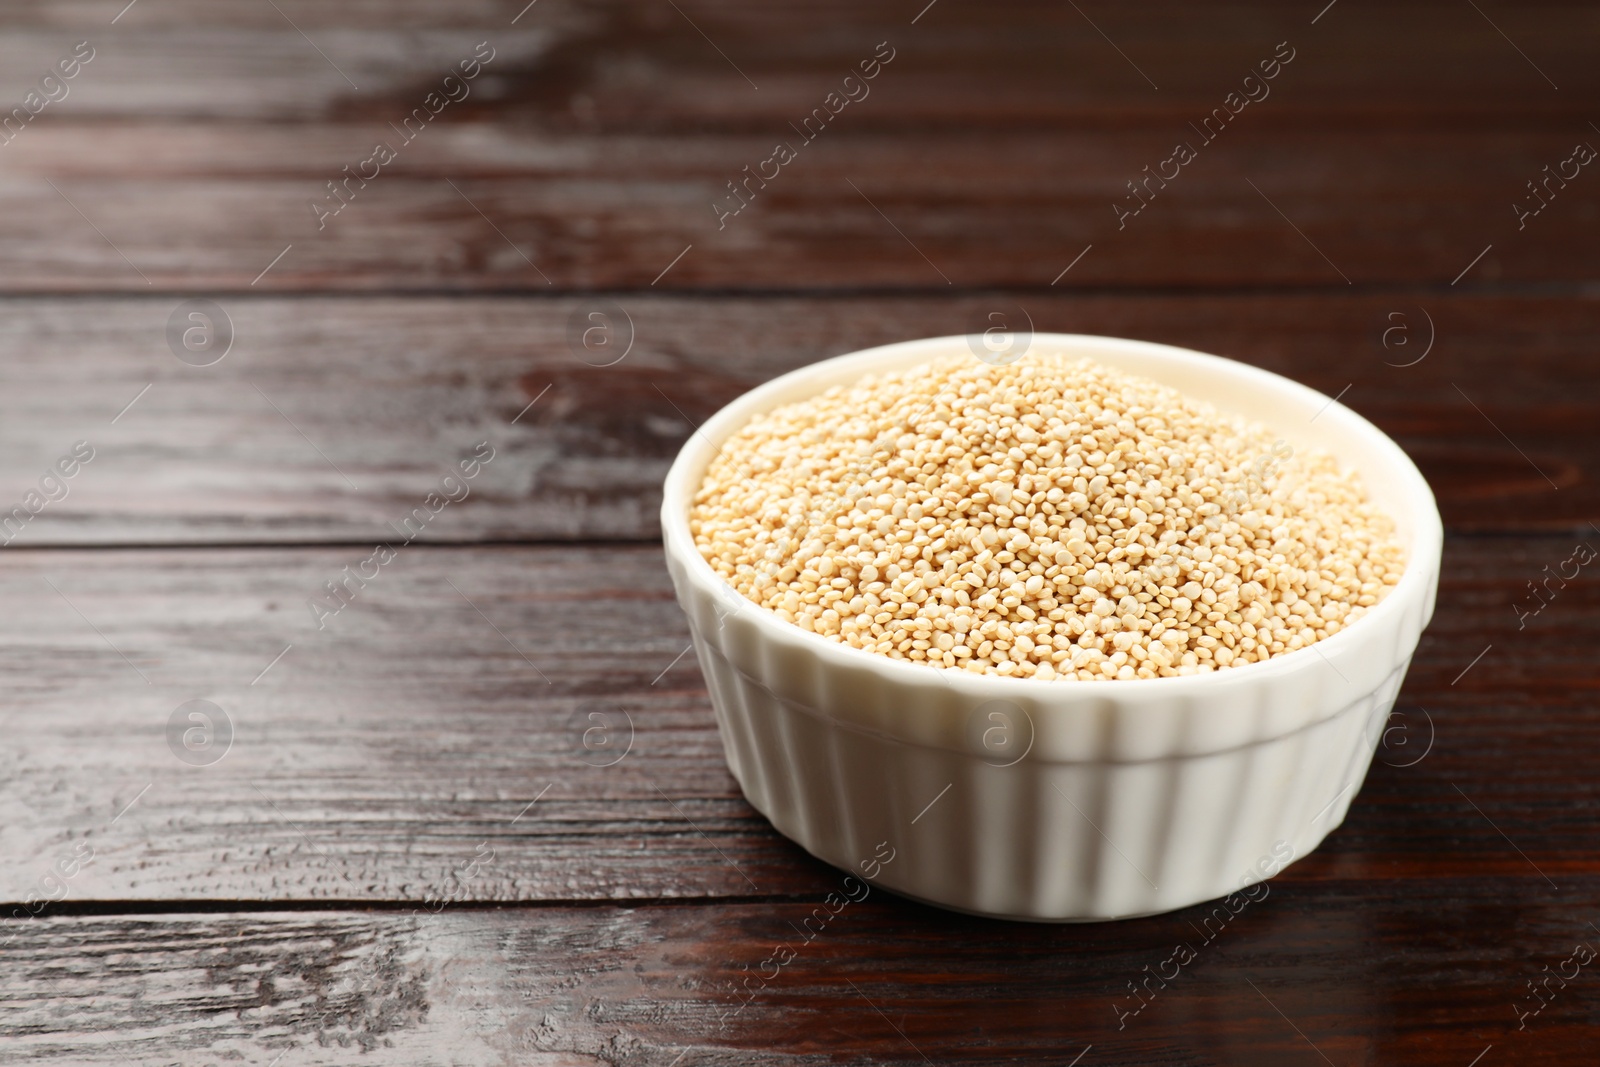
1042 840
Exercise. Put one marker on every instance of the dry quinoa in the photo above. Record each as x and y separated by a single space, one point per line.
1052 518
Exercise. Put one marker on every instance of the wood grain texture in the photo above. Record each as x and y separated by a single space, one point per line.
632 64
372 761
1344 970
131 210
597 141
332 417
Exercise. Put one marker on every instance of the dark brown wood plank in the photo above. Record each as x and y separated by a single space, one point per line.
635 65
392 393
378 754
130 209
408 705
1352 972
600 136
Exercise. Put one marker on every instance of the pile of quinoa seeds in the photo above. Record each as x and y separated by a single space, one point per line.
1051 518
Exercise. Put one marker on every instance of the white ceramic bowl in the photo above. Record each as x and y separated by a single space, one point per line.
1058 800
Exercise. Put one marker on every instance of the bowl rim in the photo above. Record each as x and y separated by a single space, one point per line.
688 470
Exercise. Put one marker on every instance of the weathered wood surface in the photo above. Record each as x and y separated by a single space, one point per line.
589 152
636 64
1347 970
130 210
380 752
332 417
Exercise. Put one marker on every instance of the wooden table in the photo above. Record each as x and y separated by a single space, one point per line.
480 814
